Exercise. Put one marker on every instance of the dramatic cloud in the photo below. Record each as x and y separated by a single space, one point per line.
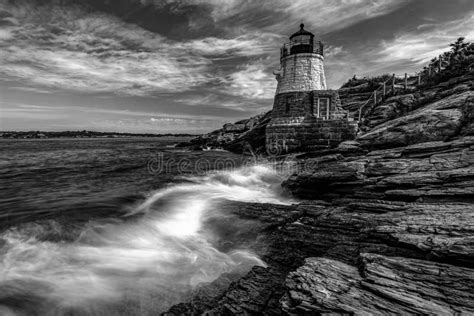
252 44
321 14
251 81
72 48
76 50
185 65
427 41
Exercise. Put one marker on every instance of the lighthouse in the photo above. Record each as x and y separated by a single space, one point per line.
306 115
302 64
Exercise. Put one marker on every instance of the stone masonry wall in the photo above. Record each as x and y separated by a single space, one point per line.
309 135
295 125
328 133
301 72
295 104
292 104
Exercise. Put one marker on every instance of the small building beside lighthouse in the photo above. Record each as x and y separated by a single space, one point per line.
306 115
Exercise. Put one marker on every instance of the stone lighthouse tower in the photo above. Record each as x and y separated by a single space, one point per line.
305 114
302 64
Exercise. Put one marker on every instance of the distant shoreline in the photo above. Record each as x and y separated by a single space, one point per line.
81 134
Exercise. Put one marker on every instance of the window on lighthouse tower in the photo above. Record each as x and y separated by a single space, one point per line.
287 104
323 108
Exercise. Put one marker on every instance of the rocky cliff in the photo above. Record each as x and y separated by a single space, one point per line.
385 225
401 211
235 137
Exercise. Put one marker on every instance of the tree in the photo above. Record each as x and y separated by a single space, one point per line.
454 62
459 45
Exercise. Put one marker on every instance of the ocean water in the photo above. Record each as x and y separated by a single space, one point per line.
121 226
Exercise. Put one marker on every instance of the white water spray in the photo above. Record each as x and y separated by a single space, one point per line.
142 264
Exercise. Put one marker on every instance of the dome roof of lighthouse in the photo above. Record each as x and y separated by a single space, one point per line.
302 31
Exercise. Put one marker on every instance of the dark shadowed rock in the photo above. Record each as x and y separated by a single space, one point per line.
253 139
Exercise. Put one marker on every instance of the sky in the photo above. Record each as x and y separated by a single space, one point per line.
189 66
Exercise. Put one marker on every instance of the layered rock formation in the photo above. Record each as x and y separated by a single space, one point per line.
403 198
426 171
380 285
385 224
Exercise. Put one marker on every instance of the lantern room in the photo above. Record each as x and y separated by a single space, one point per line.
301 42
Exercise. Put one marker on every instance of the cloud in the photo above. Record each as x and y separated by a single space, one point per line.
11 111
334 51
62 117
76 50
68 47
203 59
404 51
30 89
250 44
152 115
6 34
251 81
226 102
179 120
426 42
322 15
